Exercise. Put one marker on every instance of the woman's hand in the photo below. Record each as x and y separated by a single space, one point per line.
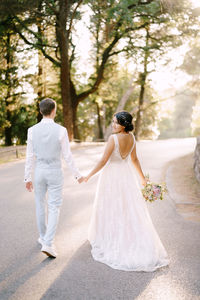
86 178
144 181
80 180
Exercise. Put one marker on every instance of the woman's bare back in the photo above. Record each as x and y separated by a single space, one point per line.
125 142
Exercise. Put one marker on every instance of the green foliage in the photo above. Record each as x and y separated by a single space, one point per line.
150 109
87 116
109 94
196 119
179 124
15 116
22 119
191 65
111 22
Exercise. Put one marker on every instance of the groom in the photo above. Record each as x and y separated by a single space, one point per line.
46 142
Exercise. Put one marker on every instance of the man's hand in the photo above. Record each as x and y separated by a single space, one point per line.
29 186
80 180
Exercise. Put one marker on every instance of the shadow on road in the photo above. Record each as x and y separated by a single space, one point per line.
17 277
84 278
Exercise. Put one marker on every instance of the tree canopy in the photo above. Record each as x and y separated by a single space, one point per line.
141 30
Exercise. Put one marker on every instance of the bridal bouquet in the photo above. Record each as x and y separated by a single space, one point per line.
152 192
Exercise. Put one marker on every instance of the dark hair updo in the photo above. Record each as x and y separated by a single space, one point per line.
124 118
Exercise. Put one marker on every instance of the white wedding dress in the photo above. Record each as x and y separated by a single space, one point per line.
121 232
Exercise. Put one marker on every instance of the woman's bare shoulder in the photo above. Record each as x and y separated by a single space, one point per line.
111 137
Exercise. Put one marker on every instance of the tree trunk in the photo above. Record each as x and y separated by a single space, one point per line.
40 74
141 100
8 129
63 42
100 129
40 85
143 77
75 125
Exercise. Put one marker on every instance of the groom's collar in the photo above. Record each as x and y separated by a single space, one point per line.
47 120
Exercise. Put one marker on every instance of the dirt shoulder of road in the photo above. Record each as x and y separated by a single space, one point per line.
183 187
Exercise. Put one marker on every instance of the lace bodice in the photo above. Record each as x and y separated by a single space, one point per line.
116 155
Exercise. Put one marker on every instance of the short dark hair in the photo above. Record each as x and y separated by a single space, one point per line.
47 106
124 118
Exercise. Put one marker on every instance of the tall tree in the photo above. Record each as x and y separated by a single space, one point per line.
120 19
112 21
11 83
9 80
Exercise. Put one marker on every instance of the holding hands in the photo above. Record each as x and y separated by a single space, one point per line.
80 180
83 179
86 178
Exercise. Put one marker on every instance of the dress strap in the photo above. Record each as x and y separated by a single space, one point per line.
115 140
133 142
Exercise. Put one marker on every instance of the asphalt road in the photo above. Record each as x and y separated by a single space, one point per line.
27 274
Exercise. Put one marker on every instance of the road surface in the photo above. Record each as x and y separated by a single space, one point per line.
27 274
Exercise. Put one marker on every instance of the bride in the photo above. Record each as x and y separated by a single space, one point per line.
121 232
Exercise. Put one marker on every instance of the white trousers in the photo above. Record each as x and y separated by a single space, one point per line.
48 181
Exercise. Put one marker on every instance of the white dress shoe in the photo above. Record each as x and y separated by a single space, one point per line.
49 251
